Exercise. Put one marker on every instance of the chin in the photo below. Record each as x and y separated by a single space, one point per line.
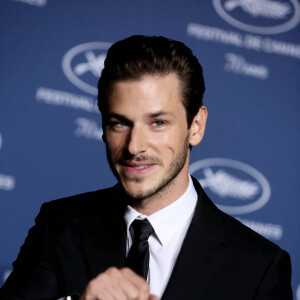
139 190
136 190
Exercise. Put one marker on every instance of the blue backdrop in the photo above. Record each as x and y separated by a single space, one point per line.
51 55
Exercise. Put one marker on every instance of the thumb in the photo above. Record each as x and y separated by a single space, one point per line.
153 297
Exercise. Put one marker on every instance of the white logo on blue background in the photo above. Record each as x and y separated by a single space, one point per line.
6 274
298 293
259 16
82 65
39 3
235 187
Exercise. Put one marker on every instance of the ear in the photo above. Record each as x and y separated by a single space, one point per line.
197 128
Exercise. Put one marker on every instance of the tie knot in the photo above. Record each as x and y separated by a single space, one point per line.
142 229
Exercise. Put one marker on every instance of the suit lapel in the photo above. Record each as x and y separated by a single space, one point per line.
104 238
103 250
201 252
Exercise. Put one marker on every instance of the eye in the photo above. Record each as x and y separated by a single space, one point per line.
118 124
159 123
121 124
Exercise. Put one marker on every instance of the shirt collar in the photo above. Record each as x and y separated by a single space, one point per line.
167 221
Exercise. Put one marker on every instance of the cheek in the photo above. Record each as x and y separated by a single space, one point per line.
167 143
159 141
114 145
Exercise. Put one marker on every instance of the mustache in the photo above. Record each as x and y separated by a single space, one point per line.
143 158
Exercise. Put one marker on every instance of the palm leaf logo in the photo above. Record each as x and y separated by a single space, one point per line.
261 8
226 185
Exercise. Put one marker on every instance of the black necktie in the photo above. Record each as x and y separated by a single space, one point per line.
138 256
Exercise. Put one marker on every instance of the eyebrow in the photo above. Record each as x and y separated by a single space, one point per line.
116 116
149 115
158 114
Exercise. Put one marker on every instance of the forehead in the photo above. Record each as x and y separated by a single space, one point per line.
150 91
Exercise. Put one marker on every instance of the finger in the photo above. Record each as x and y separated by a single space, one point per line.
153 297
117 286
132 276
139 283
105 287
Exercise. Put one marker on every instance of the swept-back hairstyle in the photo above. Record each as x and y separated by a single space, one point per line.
136 56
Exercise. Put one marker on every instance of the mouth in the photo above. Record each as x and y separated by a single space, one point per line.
137 168
141 167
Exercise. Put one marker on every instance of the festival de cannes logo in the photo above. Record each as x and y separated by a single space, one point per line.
260 16
235 187
83 64
298 293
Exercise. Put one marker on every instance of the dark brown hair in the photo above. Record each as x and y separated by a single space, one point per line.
138 55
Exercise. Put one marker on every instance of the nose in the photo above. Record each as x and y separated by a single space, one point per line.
137 141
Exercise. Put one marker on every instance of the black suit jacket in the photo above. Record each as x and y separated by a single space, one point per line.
77 238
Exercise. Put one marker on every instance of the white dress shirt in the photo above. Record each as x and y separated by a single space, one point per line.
170 226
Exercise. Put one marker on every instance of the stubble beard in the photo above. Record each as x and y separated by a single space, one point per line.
164 186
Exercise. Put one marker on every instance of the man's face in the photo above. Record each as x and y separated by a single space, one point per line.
146 134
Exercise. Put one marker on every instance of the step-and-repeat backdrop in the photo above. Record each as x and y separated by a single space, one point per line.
51 54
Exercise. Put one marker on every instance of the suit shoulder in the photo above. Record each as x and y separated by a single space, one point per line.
86 205
243 237
240 237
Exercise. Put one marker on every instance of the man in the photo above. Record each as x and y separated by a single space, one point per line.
155 235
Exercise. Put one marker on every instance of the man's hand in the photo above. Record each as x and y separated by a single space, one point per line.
118 284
